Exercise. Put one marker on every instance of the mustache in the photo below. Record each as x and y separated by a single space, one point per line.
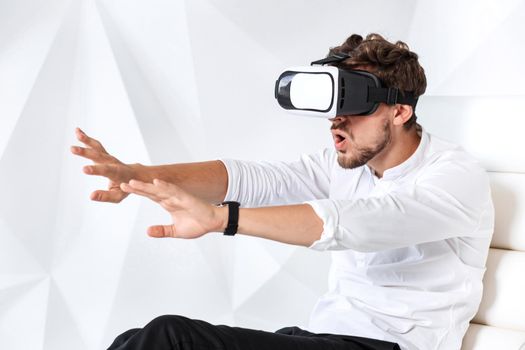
340 126
343 127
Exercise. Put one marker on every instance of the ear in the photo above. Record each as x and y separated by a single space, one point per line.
402 114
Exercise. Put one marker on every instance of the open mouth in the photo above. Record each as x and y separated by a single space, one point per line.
339 140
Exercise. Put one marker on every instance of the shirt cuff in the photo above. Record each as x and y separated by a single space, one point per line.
327 211
232 192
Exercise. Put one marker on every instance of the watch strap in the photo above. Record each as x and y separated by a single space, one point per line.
233 217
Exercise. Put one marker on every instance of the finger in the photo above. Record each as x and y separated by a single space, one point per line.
130 189
167 190
89 141
89 153
160 231
107 170
108 196
160 192
161 183
143 186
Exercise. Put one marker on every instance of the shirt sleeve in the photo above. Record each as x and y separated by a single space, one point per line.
260 183
449 200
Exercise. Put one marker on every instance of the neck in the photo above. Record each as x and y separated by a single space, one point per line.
402 145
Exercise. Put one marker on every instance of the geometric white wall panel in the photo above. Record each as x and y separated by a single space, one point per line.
470 49
27 30
488 127
156 71
24 307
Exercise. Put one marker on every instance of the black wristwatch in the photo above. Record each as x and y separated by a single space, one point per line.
233 217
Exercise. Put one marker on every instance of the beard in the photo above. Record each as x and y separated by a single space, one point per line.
362 155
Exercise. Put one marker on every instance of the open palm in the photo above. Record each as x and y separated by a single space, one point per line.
191 216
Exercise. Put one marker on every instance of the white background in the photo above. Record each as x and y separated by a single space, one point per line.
176 81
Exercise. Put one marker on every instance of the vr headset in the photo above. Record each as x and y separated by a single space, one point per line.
328 91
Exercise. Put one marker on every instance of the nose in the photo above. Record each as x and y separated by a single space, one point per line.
338 119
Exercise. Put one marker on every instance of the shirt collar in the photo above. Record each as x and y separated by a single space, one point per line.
412 162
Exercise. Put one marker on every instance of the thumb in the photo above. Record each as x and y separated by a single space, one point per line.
160 231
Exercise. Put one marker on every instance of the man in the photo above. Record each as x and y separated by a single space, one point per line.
408 217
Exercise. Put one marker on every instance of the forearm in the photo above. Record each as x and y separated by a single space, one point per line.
206 180
292 224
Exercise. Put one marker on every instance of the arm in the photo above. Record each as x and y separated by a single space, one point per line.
206 180
262 183
292 224
192 217
450 200
251 183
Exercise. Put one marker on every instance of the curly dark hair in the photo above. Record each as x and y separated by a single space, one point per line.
393 63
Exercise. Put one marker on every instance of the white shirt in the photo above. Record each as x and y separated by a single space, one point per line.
408 250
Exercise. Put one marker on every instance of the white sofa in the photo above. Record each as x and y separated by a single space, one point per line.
500 322
491 128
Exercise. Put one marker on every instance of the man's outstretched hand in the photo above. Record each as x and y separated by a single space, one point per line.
192 217
104 165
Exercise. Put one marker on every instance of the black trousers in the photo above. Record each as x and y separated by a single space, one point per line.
172 332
